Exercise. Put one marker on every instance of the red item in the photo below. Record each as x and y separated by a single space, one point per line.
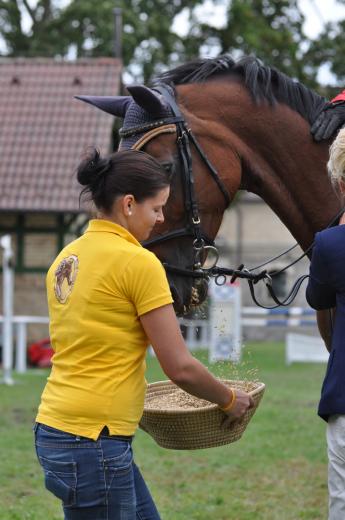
40 353
339 97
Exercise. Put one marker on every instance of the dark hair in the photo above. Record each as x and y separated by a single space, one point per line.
128 171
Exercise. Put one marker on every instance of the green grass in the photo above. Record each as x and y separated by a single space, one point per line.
277 471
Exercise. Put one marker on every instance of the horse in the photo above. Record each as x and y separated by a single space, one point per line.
249 126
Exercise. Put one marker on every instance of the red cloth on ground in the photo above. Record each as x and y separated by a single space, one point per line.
40 353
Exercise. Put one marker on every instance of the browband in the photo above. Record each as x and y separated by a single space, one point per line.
166 129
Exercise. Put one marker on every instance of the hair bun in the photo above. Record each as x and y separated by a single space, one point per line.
92 169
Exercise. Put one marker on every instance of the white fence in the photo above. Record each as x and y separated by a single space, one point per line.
197 332
304 349
20 324
281 317
251 317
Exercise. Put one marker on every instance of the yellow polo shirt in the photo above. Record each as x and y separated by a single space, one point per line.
97 288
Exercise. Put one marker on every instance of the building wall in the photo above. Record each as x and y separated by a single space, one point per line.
251 234
30 299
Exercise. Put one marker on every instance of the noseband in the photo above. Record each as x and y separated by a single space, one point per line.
202 244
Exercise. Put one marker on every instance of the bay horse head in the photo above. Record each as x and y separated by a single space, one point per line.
221 126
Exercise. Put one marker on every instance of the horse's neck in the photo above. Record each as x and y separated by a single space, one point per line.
279 160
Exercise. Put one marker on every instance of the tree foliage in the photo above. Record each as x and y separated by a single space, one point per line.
269 29
329 49
44 38
87 26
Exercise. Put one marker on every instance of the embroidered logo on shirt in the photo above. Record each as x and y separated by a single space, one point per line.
65 276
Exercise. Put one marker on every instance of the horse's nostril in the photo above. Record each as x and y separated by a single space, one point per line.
202 289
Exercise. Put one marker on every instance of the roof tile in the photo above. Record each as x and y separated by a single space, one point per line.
44 131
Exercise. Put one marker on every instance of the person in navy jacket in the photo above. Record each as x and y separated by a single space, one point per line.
326 290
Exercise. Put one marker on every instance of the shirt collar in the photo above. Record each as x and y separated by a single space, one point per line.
100 225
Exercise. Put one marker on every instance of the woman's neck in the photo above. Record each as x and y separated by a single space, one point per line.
120 220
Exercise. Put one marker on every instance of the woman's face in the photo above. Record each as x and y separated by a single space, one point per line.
143 216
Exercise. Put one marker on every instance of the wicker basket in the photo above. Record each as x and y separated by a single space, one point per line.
192 429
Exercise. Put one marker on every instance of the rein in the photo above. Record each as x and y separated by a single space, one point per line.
202 244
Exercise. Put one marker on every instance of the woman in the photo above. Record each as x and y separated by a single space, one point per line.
326 290
108 299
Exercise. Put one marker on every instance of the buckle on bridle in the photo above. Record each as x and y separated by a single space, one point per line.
196 243
182 136
220 280
201 256
267 279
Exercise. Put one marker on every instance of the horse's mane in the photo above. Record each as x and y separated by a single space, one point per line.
263 82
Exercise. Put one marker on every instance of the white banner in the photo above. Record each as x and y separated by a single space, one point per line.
225 322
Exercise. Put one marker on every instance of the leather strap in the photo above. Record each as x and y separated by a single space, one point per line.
166 129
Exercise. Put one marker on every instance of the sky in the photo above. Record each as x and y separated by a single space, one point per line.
316 13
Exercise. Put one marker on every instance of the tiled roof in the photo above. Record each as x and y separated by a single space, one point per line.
44 130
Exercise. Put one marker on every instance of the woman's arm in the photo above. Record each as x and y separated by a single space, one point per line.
164 334
320 293
325 321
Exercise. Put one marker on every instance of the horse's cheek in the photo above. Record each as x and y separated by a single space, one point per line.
162 147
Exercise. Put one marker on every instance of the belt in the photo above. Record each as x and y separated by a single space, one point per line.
105 433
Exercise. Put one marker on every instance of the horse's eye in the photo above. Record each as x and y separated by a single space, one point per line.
168 167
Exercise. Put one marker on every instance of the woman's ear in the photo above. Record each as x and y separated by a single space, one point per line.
127 204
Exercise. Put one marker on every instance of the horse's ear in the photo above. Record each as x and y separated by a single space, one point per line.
115 105
147 99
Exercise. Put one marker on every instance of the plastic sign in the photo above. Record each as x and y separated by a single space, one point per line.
225 322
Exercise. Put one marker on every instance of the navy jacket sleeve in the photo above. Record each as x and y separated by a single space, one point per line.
320 293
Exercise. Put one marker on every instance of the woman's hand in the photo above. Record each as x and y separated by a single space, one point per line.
243 403
329 121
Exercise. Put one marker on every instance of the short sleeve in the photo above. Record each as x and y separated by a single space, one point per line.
145 282
320 293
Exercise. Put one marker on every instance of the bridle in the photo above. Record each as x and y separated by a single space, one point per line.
185 137
202 244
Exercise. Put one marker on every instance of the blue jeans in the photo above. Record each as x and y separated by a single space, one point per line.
95 480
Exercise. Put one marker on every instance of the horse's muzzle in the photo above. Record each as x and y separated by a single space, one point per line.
191 294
